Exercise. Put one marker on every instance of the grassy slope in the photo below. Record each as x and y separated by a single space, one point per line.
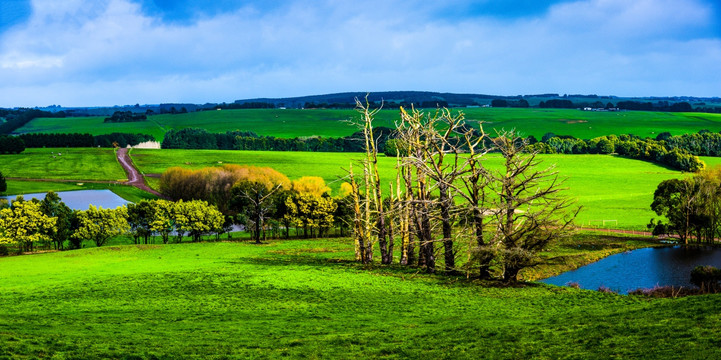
711 161
79 164
588 124
307 299
328 123
74 164
609 188
90 125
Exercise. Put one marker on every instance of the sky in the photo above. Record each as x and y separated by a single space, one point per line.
118 52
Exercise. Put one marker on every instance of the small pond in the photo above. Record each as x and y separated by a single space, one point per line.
641 268
81 199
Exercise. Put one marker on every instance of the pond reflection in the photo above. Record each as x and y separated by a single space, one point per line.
641 268
81 199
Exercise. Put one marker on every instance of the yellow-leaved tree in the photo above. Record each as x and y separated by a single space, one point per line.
310 207
100 224
196 218
25 224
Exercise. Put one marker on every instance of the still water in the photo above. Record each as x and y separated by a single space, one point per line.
81 199
641 268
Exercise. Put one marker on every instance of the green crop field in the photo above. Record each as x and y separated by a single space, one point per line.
608 187
330 123
307 298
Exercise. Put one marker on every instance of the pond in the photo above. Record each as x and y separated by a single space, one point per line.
641 268
81 199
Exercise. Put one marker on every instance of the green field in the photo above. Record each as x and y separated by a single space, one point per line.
608 187
711 161
80 165
329 123
308 299
73 164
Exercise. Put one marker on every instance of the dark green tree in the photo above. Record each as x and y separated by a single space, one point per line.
3 184
53 206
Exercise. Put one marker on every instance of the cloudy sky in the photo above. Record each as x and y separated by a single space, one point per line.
107 52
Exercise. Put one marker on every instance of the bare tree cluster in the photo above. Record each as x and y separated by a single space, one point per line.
446 203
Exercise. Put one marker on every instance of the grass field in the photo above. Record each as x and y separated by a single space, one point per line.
608 187
711 161
77 164
73 164
307 299
329 123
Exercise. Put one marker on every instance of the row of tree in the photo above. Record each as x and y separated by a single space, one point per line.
195 138
11 145
125 116
665 106
443 195
261 199
47 223
17 118
37 140
673 153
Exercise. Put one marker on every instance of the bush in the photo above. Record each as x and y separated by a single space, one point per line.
706 278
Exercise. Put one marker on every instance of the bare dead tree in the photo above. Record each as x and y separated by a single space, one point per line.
432 148
361 223
530 212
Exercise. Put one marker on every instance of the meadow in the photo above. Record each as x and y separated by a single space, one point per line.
75 169
289 123
74 164
608 187
308 299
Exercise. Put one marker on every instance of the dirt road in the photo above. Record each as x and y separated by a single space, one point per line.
134 176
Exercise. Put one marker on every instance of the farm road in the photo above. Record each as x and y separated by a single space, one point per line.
134 176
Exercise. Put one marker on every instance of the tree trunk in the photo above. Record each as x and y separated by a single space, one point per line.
449 256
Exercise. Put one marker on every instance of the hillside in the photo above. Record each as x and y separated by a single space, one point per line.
290 123
308 299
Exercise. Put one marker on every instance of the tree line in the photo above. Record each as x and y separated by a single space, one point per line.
196 138
125 116
38 140
261 199
49 223
17 118
679 152
664 106
11 145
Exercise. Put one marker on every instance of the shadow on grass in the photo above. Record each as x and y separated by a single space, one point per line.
395 270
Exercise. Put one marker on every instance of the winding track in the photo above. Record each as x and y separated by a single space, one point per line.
134 176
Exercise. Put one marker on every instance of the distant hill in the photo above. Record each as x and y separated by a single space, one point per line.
419 98
423 99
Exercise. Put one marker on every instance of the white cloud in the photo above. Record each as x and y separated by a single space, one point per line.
84 52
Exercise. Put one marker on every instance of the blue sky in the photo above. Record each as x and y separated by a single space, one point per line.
108 52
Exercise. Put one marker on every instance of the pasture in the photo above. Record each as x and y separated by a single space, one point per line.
307 298
63 164
608 187
291 123
75 169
